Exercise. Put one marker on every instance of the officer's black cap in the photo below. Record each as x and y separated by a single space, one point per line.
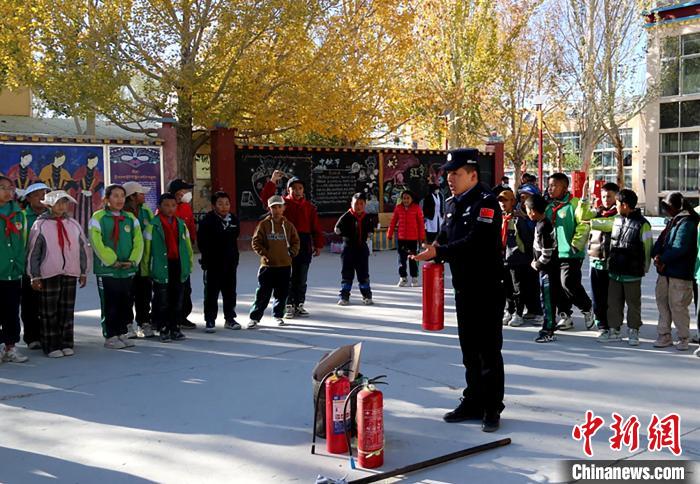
178 184
461 157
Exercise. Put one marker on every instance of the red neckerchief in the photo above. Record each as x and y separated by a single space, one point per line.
358 217
10 227
62 233
115 229
507 217
559 205
611 212
171 241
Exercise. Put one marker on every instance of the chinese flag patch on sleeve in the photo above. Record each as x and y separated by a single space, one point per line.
486 213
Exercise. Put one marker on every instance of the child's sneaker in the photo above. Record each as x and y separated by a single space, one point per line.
367 301
280 322
147 330
232 325
545 338
177 335
252 324
697 352
127 343
588 319
403 282
289 311
415 282
165 336
209 327
130 333
34 345
565 322
614 335
633 337
516 321
68 351
682 344
506 317
114 343
603 336
663 341
55 354
343 302
300 311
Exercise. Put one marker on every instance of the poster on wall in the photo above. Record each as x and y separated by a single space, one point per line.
409 171
78 169
331 178
139 164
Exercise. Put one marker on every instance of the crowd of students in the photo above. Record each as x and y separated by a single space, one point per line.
143 261
546 239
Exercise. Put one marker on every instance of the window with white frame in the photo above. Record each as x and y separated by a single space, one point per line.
680 161
605 161
680 65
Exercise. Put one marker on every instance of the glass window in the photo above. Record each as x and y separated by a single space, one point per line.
691 44
669 47
627 161
608 159
690 114
691 75
669 115
626 137
691 172
669 77
669 143
671 173
690 142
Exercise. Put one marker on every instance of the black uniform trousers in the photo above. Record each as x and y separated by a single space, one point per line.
600 280
116 301
143 294
168 299
406 248
220 280
272 281
300 271
10 294
480 329
355 260
30 312
572 291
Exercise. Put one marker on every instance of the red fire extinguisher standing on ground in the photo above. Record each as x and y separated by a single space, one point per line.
337 391
370 424
370 427
433 296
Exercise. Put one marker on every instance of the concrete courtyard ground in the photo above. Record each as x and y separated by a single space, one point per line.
235 406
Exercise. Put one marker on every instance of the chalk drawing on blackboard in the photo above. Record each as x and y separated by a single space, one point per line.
247 199
266 165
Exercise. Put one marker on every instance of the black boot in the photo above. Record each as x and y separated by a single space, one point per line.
464 411
491 421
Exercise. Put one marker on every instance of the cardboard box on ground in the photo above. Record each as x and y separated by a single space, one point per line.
343 358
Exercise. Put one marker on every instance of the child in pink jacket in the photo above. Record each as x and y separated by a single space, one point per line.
58 257
411 232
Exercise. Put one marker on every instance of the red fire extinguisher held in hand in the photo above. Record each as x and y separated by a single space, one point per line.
433 296
337 391
370 424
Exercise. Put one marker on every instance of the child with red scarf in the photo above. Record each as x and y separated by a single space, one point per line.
168 254
117 243
58 257
355 226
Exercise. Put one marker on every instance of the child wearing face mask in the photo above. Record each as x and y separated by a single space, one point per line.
117 242
183 195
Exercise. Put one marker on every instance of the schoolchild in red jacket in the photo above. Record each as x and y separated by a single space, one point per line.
411 232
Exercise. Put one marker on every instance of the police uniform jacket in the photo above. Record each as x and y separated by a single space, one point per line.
470 239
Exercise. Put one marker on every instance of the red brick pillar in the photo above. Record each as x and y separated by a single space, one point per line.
495 145
169 136
223 163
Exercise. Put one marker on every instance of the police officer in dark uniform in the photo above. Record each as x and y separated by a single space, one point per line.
470 240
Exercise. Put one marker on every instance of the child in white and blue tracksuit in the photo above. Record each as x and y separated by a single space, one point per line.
355 226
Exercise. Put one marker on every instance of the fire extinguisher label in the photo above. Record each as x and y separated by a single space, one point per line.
338 420
373 429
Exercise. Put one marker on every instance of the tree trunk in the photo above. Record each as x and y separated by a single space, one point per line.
620 160
185 151
517 173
